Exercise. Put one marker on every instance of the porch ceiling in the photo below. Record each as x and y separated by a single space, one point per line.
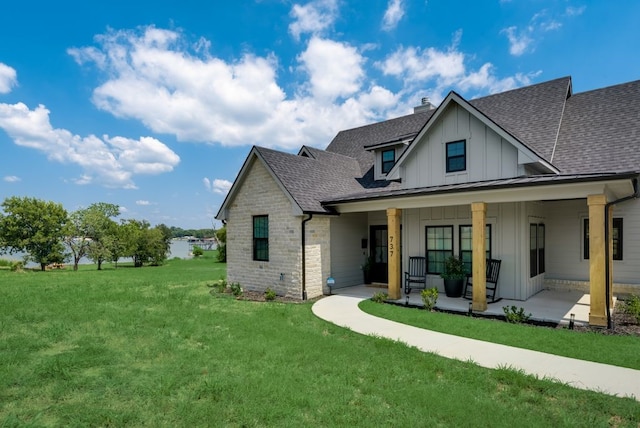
521 189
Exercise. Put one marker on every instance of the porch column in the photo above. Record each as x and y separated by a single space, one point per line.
597 274
393 230
610 261
478 221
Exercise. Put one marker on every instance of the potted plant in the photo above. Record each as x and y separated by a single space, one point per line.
454 274
366 269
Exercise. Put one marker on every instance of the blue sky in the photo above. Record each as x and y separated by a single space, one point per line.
154 105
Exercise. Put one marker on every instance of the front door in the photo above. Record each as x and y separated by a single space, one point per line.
378 253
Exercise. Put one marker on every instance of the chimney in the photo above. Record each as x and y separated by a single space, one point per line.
424 106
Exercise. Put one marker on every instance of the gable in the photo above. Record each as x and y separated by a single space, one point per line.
255 179
490 152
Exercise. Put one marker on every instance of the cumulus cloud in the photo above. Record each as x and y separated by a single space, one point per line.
11 179
154 76
218 185
334 68
313 18
8 78
111 162
143 203
443 70
393 14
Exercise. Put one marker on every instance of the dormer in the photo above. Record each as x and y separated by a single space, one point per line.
387 153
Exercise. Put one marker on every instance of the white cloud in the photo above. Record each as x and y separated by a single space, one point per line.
8 78
575 11
519 43
218 185
11 179
143 203
334 68
393 14
523 40
313 18
156 77
444 70
111 162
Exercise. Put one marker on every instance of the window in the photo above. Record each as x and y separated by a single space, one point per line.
439 247
616 236
466 245
261 238
536 249
456 156
388 160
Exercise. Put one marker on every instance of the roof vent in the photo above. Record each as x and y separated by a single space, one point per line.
424 105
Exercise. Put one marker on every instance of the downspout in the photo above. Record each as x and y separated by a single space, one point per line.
304 257
607 281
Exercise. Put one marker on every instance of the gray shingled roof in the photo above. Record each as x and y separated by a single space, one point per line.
601 131
531 114
596 132
310 180
352 142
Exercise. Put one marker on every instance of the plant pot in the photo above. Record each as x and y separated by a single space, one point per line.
367 276
453 287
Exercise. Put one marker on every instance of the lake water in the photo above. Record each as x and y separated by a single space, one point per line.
179 248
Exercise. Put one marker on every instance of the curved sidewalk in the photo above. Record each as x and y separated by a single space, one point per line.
344 311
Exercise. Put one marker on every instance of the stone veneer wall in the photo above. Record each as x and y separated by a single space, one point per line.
583 286
261 195
318 255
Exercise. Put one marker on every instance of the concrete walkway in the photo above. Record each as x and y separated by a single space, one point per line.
343 311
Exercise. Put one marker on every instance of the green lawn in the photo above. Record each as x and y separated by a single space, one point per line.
621 351
155 347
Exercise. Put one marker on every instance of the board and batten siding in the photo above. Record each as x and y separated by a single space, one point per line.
347 254
488 155
565 242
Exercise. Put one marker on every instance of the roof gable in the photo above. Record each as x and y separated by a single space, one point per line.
525 154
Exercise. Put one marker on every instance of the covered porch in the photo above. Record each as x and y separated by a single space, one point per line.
548 306
509 224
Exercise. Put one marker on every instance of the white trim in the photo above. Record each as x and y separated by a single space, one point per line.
525 154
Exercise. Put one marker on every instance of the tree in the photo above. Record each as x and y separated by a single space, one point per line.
33 226
101 231
145 244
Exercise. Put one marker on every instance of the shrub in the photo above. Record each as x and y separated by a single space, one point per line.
17 266
429 298
632 307
197 251
220 285
236 289
269 295
380 297
515 315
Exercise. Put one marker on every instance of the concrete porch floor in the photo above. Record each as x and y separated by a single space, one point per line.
547 306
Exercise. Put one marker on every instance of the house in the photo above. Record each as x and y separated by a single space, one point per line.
551 175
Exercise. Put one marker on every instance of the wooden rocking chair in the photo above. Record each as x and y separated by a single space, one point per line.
493 270
417 274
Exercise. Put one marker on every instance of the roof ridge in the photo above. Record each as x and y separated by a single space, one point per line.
564 106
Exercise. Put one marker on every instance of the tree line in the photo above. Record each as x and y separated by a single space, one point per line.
47 234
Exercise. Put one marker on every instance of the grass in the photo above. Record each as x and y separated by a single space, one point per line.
621 351
156 347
